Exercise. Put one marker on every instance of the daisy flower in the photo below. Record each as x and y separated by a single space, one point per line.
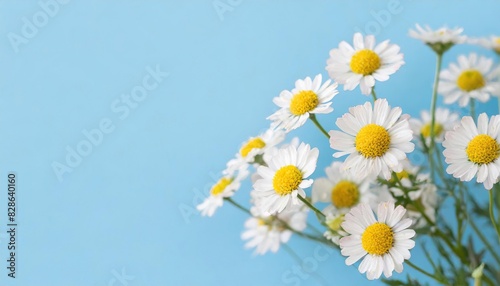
307 98
473 77
364 63
224 188
253 149
266 233
439 40
340 188
375 140
384 242
444 120
472 150
285 177
492 43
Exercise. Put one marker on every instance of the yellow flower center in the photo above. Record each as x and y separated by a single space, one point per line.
372 141
402 175
470 80
335 223
365 62
220 186
303 102
426 130
345 194
483 149
255 143
377 239
286 180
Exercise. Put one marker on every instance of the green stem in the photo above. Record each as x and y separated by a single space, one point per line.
315 121
424 272
238 206
304 235
314 229
492 215
473 109
484 240
433 104
498 105
374 95
307 203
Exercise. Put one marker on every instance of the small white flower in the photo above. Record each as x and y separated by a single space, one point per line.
473 77
445 120
224 188
383 242
376 140
266 233
472 150
342 189
285 177
492 43
308 97
256 146
442 35
364 63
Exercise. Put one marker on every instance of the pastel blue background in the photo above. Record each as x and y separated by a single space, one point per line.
130 204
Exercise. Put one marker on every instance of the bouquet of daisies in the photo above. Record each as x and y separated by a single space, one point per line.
377 200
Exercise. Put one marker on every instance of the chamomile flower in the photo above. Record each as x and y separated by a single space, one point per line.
472 150
383 243
492 43
473 77
256 147
340 188
439 40
266 233
224 188
444 120
308 97
364 63
285 177
376 140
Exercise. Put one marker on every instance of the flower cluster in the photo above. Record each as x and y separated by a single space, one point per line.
370 170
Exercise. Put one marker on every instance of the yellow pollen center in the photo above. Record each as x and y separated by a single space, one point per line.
470 80
483 149
345 194
365 62
426 130
220 186
303 102
377 239
255 143
286 180
402 175
372 141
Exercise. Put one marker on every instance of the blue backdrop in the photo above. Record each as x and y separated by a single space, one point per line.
108 183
